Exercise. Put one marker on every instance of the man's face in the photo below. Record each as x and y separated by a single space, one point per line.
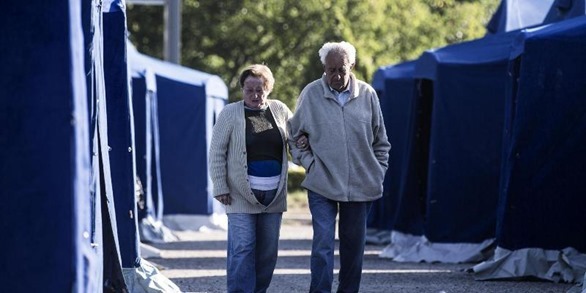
337 70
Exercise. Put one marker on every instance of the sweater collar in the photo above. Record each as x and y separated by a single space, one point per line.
264 108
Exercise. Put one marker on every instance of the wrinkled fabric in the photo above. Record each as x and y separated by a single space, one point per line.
567 265
412 248
147 279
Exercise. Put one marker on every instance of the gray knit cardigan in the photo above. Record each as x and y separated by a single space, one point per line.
228 163
349 150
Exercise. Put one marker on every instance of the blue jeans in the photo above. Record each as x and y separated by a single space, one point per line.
352 234
252 249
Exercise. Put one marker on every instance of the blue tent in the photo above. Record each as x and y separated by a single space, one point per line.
66 150
565 9
187 103
468 89
148 155
412 135
400 209
542 210
461 89
517 14
120 133
52 207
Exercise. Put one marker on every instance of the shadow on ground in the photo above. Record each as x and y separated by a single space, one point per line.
197 264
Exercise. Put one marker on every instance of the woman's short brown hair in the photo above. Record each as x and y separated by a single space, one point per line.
260 71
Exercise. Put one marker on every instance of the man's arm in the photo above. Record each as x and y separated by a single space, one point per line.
381 145
301 156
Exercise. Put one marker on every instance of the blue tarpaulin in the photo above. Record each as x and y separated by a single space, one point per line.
147 143
542 208
121 133
517 14
66 150
545 160
400 208
187 103
48 210
455 144
565 9
468 83
453 141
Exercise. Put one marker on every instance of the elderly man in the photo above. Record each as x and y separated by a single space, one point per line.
346 162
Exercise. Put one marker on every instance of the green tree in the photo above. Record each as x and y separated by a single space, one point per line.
222 37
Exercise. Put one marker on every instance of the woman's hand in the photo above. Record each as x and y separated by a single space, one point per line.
302 142
225 199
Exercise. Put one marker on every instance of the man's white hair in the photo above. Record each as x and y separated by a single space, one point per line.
341 47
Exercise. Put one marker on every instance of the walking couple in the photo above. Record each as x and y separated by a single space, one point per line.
337 134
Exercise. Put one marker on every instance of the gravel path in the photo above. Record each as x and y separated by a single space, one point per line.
197 264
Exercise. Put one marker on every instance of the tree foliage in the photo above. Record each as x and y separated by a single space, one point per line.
222 37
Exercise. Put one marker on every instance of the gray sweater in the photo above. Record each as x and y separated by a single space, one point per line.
349 150
228 164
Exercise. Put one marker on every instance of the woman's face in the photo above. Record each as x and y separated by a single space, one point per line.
255 96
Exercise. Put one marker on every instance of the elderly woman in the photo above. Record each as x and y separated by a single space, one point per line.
248 167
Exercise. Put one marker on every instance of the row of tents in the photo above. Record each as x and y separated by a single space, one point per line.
488 163
89 128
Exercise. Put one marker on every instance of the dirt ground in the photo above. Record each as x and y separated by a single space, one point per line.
197 263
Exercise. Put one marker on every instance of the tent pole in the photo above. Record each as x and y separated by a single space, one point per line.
173 31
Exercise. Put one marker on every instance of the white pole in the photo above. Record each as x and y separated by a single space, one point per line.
173 31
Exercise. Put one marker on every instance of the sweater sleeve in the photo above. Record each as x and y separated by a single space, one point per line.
380 145
296 129
218 152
